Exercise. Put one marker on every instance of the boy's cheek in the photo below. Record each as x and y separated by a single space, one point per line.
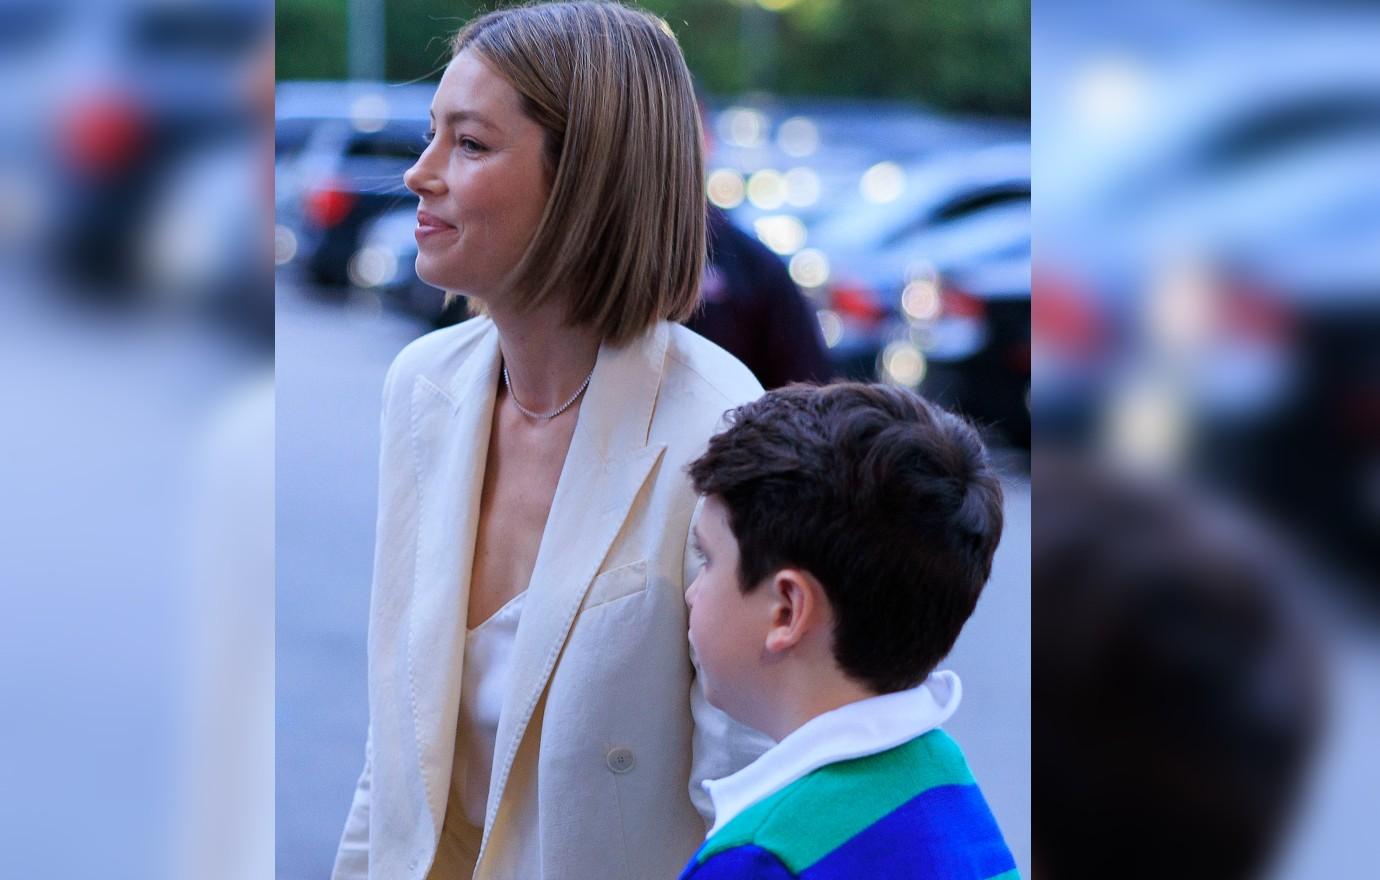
694 643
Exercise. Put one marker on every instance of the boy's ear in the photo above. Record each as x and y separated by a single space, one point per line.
799 607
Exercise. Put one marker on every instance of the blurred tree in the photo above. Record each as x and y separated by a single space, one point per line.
310 39
956 55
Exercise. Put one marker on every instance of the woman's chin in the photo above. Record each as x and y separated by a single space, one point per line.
427 274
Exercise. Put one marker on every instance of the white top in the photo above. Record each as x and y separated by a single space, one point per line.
488 661
851 731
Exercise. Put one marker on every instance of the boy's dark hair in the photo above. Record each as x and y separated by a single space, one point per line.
1178 695
889 501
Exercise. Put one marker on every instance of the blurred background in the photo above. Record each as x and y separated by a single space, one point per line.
1206 349
869 174
136 471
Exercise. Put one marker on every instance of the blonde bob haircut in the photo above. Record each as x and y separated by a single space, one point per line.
623 233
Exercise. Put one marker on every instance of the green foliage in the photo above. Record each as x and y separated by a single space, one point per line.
419 33
310 39
955 55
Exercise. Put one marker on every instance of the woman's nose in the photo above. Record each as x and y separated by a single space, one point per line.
420 179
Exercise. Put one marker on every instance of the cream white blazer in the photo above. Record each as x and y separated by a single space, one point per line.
605 735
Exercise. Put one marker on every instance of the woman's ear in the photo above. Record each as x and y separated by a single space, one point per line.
799 607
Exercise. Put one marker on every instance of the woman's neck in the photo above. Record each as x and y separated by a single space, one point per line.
546 360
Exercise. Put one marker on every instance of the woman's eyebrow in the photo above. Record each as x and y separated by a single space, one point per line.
454 116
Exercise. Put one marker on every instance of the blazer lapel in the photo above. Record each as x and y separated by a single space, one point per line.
605 467
450 435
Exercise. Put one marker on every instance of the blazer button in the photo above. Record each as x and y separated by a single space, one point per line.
620 760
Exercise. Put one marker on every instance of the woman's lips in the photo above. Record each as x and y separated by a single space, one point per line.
429 224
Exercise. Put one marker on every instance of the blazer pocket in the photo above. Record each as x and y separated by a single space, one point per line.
617 583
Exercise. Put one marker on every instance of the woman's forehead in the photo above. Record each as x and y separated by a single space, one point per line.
470 89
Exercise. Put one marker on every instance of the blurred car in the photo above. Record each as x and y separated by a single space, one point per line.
141 91
386 264
1208 277
343 150
928 282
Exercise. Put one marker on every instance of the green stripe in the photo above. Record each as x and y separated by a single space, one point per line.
813 816
1013 874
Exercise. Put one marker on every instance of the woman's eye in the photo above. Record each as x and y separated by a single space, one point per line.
470 145
429 136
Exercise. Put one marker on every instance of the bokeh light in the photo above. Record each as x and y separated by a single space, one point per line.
766 189
882 183
725 188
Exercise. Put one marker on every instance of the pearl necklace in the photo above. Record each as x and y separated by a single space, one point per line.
547 416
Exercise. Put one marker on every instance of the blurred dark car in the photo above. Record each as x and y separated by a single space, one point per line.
343 148
929 282
148 89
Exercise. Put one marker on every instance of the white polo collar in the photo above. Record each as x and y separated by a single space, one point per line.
851 731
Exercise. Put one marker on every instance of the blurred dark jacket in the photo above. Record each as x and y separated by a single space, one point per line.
752 308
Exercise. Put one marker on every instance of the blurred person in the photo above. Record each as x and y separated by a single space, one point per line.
534 707
1178 690
847 534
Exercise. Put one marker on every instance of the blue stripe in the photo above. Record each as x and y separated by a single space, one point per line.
740 863
945 833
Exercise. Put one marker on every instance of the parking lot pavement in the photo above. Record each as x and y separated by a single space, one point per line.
331 360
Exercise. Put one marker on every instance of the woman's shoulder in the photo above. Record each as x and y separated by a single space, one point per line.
699 383
701 369
444 347
437 355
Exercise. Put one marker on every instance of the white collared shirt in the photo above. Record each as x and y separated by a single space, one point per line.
855 730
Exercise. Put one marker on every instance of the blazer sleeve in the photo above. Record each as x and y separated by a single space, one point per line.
720 745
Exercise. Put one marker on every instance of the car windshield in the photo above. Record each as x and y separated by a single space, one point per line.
195 31
388 144
971 203
1291 128
964 205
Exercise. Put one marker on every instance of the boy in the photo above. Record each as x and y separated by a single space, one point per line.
845 536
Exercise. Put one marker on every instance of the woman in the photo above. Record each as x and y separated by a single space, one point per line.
534 711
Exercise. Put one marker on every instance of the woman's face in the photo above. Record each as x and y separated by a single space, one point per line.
482 181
